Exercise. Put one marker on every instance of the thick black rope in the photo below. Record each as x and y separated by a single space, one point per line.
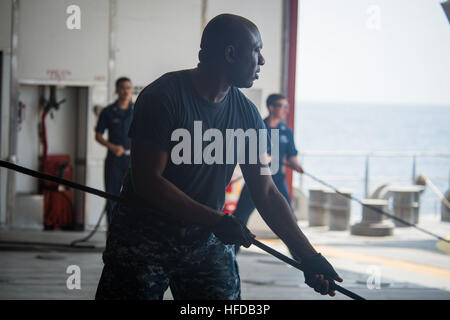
298 265
71 184
106 195
91 234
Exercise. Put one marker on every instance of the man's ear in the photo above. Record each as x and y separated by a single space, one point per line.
230 54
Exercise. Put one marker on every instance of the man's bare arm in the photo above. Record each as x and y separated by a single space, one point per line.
275 210
293 163
147 166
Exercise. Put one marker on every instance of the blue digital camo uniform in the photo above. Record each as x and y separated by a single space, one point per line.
192 261
145 253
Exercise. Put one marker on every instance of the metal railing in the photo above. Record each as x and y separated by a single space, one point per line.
366 178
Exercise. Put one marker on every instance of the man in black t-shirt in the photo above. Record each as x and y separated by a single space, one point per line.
190 128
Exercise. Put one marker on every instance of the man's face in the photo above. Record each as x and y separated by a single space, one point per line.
124 90
279 109
248 60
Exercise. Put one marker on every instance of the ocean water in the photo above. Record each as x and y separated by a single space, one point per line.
374 128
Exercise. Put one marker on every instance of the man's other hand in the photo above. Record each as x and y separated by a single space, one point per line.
118 150
230 230
319 274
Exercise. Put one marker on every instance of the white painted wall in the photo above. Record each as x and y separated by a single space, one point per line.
50 52
155 37
5 24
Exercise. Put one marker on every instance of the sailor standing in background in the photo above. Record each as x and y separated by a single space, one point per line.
278 106
116 118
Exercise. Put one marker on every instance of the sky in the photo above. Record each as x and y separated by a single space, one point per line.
373 51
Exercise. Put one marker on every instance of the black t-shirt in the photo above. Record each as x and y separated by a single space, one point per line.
117 122
286 147
169 113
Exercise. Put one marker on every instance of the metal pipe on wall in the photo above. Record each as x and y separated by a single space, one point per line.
112 36
285 48
14 101
204 16
291 13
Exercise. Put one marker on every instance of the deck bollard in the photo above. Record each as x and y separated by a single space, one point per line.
445 211
339 208
406 204
317 212
373 223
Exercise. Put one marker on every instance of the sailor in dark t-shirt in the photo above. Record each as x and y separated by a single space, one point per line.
116 118
189 130
278 109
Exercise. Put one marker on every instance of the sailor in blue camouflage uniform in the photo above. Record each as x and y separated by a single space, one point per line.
171 231
194 262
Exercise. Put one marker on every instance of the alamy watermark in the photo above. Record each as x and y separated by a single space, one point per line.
73 21
252 140
374 279
74 280
373 21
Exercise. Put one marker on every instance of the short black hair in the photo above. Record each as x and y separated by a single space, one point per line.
274 97
221 31
120 80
